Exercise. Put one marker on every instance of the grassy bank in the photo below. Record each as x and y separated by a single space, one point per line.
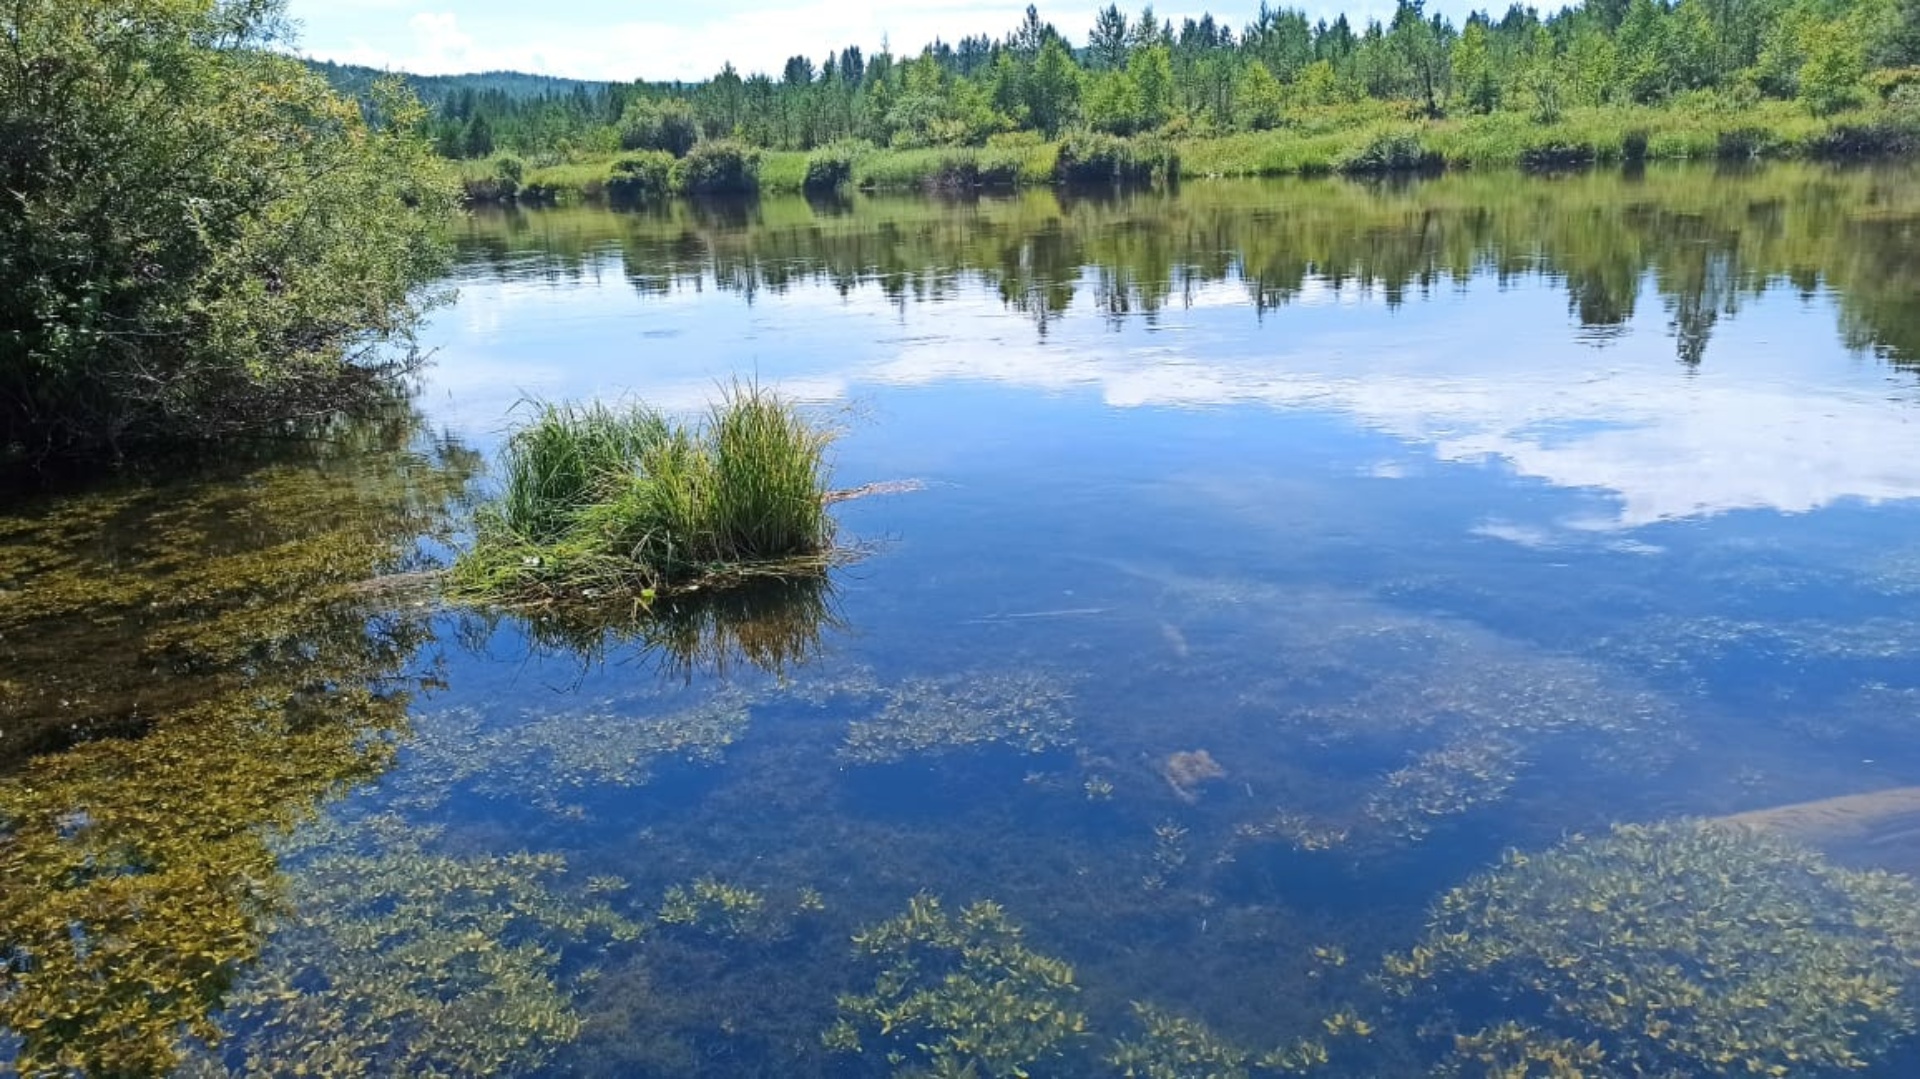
1355 139
613 503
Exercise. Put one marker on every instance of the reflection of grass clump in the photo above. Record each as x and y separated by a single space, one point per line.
928 717
964 991
404 961
1680 949
603 502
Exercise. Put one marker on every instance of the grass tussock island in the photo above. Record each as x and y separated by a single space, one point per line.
605 503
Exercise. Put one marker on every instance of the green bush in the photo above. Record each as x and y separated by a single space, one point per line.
723 167
641 177
600 501
217 266
1633 146
1399 151
667 126
829 169
1092 158
1557 154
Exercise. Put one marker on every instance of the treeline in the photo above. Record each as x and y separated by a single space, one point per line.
1136 74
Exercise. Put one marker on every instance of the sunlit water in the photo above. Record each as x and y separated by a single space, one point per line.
1284 554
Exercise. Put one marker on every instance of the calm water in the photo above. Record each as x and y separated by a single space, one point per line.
1285 553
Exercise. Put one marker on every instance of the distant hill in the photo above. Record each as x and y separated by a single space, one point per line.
356 80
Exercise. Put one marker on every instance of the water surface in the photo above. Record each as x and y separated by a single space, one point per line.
1286 553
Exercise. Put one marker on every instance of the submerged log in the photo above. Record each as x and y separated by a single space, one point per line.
1886 819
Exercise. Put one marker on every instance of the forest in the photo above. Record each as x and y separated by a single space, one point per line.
1780 64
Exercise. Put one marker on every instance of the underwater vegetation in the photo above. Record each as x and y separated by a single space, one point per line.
553 757
1678 948
605 503
222 631
1026 712
391 958
1171 1046
961 993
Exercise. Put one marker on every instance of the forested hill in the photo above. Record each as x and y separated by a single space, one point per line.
357 80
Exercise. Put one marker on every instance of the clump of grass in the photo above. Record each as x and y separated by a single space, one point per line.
603 502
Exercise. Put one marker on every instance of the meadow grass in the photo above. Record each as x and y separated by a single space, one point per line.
1368 137
601 503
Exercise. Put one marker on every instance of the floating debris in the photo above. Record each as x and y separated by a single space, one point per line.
1188 771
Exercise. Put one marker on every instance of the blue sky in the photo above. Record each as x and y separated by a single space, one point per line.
628 39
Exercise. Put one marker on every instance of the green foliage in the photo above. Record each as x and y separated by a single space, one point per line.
641 177
667 126
962 992
197 237
602 502
1398 151
1681 949
830 169
1832 78
1259 102
1106 159
718 168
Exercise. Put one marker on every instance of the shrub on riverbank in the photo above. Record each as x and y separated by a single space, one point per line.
602 502
723 167
1107 159
221 264
641 177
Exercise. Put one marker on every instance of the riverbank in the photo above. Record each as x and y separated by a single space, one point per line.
1333 141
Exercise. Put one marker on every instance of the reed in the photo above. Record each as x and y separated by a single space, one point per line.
603 502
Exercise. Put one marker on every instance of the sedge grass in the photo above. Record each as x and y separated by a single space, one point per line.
604 502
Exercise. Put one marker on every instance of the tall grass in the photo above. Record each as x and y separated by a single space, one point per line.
602 502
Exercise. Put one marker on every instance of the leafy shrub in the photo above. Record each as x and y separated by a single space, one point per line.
1400 151
1633 146
722 167
641 177
1743 143
829 169
1557 154
217 266
1107 159
1853 141
667 126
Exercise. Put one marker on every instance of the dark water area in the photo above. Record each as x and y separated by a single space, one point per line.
1303 580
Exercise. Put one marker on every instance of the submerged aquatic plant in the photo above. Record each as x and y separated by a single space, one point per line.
926 717
717 909
963 992
1678 948
602 502
552 758
400 960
